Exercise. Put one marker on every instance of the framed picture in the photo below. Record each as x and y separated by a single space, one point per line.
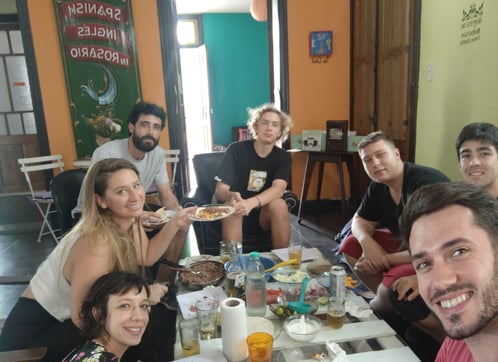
321 43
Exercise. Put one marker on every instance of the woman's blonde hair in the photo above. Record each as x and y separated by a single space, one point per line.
255 115
97 222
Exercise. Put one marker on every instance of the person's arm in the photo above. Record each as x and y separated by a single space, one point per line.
155 247
87 261
168 199
374 257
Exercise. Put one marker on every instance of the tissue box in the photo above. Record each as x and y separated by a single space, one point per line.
353 143
313 140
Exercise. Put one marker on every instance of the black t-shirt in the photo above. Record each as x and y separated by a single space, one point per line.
377 204
250 174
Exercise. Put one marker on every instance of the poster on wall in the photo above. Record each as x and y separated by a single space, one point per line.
98 47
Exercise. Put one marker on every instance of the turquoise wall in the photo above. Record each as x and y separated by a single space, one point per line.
239 75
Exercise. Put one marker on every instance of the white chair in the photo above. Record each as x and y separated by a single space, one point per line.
42 197
172 157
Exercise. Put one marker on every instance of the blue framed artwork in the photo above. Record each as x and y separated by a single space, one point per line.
321 43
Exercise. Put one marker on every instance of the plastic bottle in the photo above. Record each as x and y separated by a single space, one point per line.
255 286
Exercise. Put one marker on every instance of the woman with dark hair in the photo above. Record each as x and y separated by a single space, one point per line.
108 237
113 317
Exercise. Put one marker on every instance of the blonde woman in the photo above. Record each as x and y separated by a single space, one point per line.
108 237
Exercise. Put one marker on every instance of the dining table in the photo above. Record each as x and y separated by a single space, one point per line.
367 339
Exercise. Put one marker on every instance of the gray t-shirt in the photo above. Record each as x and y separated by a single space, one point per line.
152 168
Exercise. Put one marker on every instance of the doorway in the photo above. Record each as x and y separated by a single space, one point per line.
195 84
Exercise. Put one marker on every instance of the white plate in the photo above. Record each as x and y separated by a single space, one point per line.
212 212
166 216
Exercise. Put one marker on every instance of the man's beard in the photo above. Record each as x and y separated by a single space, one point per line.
486 316
144 146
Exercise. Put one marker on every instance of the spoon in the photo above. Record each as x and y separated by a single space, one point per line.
301 307
177 267
283 263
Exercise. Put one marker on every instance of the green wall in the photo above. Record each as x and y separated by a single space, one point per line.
239 76
464 88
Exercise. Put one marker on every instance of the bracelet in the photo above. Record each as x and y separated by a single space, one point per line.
259 201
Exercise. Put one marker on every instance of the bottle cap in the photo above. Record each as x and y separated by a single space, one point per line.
254 255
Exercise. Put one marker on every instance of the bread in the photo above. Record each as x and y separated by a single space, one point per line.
319 266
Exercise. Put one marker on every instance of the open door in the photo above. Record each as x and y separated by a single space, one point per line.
194 72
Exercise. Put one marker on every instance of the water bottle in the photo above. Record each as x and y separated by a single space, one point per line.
255 286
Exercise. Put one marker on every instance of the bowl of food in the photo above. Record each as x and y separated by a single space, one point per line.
283 311
289 276
200 274
302 328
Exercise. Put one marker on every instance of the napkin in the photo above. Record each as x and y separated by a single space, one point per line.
307 254
336 353
355 311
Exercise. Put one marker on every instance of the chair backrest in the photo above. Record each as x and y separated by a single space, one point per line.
65 189
172 157
36 164
205 167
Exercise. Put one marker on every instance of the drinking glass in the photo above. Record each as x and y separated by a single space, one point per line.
189 336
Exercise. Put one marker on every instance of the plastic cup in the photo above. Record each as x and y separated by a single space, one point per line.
336 313
189 336
260 345
207 312
296 252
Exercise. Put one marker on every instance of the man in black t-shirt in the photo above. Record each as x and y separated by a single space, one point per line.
254 175
376 255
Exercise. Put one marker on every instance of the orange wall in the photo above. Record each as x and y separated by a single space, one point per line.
51 70
318 91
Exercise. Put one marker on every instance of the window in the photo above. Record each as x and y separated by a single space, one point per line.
189 31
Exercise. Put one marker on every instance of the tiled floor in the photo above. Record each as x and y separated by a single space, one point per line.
20 254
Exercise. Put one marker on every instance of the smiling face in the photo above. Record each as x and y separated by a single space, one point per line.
268 128
124 196
127 317
381 161
456 270
479 164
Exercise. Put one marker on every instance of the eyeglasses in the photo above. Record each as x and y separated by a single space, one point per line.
265 123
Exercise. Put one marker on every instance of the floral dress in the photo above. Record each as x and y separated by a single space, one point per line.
91 352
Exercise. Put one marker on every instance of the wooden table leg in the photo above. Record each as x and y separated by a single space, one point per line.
310 164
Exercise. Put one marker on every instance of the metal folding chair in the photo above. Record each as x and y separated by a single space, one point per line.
42 197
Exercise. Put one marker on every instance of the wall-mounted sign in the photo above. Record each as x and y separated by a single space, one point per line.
471 23
99 53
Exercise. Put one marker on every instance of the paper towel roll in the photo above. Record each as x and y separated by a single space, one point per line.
234 329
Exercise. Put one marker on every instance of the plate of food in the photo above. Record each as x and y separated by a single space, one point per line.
212 212
165 216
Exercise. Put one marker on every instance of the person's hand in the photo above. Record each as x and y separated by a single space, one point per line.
149 217
373 259
157 291
181 217
241 206
407 288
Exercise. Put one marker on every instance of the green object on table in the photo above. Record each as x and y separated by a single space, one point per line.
301 307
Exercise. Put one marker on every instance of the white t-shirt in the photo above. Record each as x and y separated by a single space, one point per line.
152 168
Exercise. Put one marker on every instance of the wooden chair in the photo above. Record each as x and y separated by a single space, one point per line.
42 198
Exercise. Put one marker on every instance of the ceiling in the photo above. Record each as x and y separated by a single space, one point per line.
212 6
